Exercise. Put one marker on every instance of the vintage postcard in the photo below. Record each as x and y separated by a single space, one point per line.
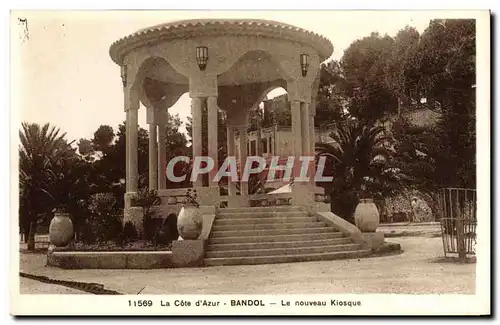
250 163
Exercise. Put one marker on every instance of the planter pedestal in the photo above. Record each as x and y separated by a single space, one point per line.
188 253
374 239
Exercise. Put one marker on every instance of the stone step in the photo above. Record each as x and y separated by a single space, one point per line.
269 232
283 244
257 226
261 215
282 251
285 258
275 238
287 208
267 220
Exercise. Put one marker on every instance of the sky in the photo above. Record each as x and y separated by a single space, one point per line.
62 73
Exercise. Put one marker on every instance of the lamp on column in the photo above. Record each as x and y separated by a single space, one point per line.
304 64
202 56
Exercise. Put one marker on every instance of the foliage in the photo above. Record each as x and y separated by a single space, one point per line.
105 222
42 150
192 198
363 65
146 199
434 70
361 166
447 55
415 149
106 151
402 70
129 232
103 138
330 101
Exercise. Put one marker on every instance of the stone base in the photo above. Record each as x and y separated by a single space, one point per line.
237 201
109 260
134 216
186 253
208 195
375 239
303 195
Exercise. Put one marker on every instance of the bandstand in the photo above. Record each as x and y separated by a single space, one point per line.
231 65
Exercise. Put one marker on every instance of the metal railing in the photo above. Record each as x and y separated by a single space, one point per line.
458 221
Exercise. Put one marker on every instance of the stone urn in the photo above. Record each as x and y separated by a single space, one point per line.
61 230
189 222
366 216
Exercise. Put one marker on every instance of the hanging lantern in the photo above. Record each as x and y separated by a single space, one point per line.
202 57
304 64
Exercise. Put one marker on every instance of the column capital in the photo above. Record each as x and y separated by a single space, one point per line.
299 90
203 86
241 129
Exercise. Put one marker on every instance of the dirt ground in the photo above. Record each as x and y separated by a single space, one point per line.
420 269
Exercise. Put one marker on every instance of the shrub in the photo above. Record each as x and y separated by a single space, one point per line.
166 232
106 221
129 232
146 199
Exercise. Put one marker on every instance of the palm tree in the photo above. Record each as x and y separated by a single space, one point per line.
41 149
360 161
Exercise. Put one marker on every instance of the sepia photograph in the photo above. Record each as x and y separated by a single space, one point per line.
250 162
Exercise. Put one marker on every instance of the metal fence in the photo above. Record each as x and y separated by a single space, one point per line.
458 221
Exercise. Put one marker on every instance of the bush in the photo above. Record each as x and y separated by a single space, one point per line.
105 220
167 232
129 232
170 228
146 199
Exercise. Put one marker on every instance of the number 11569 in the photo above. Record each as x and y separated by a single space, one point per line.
140 303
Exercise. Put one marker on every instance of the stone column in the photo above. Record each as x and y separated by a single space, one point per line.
242 130
153 158
306 141
131 146
213 146
231 153
312 138
197 134
296 134
162 155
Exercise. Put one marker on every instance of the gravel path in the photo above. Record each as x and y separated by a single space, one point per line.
419 270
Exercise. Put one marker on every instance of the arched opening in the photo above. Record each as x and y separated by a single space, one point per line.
161 87
270 135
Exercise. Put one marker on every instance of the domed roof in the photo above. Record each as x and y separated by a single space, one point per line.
218 27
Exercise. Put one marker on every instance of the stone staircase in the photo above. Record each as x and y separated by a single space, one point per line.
267 235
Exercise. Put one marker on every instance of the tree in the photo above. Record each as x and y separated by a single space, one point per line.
363 64
402 67
176 142
103 137
360 165
331 99
446 54
42 149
